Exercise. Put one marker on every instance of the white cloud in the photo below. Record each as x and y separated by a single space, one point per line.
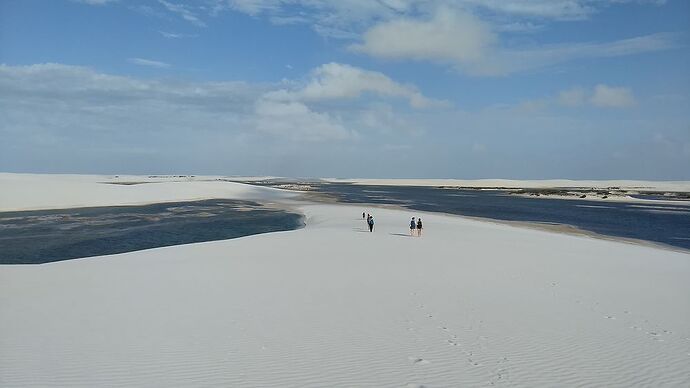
57 117
468 35
66 118
450 37
95 2
549 9
504 61
285 111
339 81
173 35
600 96
469 45
554 9
341 19
294 120
252 7
75 99
82 98
612 97
451 32
148 62
184 11
519 27
344 17
384 119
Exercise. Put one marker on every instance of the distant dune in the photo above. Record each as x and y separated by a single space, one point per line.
510 183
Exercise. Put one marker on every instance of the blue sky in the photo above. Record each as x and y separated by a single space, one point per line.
523 89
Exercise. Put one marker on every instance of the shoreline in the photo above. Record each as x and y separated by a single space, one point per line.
643 185
556 228
611 198
291 200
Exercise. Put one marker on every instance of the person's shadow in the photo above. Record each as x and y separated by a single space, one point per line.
400 234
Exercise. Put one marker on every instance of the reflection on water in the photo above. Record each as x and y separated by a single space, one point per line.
51 235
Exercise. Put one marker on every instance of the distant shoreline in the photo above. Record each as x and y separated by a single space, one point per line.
562 184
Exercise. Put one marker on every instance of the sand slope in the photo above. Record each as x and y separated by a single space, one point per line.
468 304
45 191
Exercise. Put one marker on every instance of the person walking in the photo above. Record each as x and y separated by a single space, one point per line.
362 215
419 227
413 225
370 222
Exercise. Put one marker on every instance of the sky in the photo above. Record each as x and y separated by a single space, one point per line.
468 89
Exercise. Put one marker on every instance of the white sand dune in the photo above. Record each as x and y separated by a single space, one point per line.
45 191
468 304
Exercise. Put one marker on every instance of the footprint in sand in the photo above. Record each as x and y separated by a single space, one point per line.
610 317
418 361
500 370
655 336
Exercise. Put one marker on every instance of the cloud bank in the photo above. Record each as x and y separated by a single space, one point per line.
57 117
85 100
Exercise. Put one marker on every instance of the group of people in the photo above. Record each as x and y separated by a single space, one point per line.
415 226
370 221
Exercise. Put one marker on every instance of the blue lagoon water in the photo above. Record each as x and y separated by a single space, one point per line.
651 221
34 237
